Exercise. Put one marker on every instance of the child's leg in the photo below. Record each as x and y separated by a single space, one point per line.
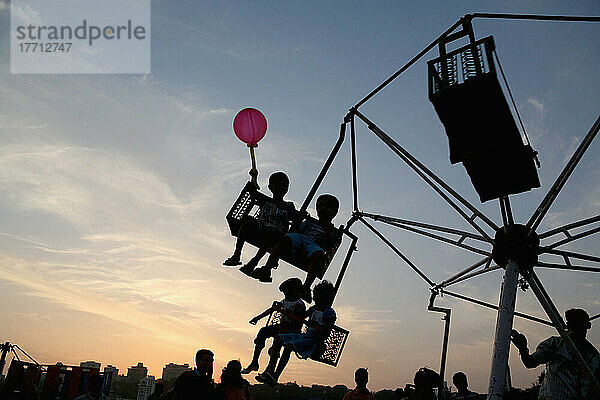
247 227
257 257
284 244
248 268
285 357
274 355
259 343
316 263
263 273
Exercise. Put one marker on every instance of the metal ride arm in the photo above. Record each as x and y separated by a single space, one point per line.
570 267
467 273
493 306
433 180
325 168
351 249
445 318
463 234
408 225
448 34
398 252
546 203
568 254
565 229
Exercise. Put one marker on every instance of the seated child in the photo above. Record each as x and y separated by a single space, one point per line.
291 304
321 318
271 222
310 243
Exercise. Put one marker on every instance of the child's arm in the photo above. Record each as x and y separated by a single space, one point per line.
297 218
260 316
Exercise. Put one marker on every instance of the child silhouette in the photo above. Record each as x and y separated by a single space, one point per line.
314 238
292 305
321 318
272 222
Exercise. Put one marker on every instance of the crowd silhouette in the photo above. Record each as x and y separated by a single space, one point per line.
199 384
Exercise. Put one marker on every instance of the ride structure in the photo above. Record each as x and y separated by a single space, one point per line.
466 93
467 96
30 379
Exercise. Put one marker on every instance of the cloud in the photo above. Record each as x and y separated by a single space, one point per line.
365 321
135 252
536 103
22 13
6 122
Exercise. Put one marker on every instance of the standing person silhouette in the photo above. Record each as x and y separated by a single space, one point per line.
159 389
460 381
197 383
233 386
425 381
361 377
563 380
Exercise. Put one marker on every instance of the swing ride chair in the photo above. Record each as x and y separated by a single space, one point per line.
332 346
248 205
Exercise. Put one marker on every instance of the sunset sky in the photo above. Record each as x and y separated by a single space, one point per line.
114 188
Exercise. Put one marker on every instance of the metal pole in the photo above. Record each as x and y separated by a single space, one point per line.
408 64
354 176
446 318
253 172
544 206
494 307
325 168
398 252
534 17
508 297
352 249
429 177
5 349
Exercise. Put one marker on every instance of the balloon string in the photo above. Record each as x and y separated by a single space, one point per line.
253 172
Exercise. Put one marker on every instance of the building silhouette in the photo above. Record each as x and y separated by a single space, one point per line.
137 373
113 369
145 387
90 364
172 371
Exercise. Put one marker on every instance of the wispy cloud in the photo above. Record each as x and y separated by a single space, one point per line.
22 13
365 321
536 103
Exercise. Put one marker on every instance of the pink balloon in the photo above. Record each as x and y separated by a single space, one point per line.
250 125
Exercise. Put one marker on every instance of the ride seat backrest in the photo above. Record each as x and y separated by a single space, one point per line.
333 345
247 205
